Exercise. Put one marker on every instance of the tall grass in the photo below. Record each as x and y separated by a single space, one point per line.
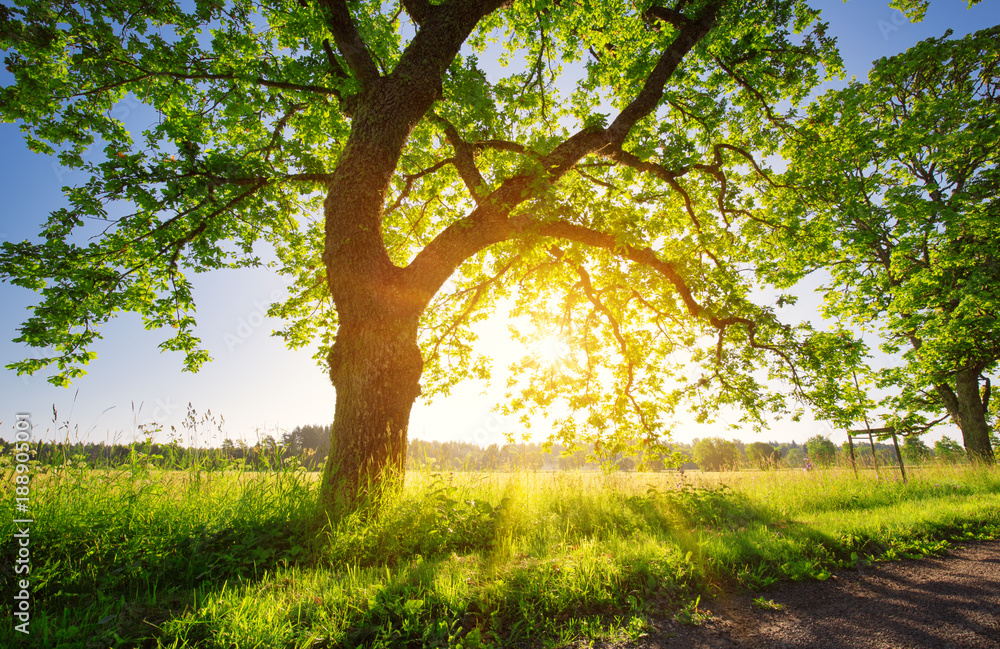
188 557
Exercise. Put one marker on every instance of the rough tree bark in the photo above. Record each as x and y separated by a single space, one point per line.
966 406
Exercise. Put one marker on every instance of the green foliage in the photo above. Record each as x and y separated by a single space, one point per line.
948 450
766 604
445 519
822 451
915 450
762 455
795 458
916 9
180 196
716 454
689 613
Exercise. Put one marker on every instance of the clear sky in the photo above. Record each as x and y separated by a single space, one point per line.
257 385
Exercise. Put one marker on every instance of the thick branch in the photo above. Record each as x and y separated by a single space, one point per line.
464 159
646 256
667 15
419 10
443 31
347 102
593 140
649 97
950 400
596 239
196 76
386 114
349 42
659 171
335 67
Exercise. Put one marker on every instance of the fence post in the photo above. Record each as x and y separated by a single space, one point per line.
899 456
850 443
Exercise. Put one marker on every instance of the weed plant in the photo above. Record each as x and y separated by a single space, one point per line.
159 555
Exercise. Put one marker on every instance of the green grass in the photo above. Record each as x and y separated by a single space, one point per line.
189 558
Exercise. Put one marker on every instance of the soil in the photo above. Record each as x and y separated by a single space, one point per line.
952 601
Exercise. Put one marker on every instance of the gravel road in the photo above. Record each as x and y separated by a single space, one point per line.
949 601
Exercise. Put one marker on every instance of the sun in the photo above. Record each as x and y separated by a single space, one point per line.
550 349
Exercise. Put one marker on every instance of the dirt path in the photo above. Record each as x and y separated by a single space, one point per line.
948 601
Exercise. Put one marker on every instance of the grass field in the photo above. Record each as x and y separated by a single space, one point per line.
189 558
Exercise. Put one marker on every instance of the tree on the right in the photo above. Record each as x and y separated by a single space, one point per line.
892 189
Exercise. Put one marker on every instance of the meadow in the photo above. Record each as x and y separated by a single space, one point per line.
145 556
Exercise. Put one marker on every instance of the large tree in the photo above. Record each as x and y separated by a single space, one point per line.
896 194
606 176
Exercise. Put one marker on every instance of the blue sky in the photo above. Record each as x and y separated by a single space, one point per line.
257 385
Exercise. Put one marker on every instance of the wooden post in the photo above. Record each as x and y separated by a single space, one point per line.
868 425
899 456
871 440
850 443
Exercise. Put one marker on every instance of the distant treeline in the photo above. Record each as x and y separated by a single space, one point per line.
308 446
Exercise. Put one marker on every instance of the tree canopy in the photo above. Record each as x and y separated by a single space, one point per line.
895 186
608 176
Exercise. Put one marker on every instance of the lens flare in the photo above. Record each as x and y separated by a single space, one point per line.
551 349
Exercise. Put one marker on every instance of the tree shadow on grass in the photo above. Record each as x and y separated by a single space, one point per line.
737 541
108 587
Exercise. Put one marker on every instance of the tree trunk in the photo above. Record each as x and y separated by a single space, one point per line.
375 366
975 430
965 405
375 363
